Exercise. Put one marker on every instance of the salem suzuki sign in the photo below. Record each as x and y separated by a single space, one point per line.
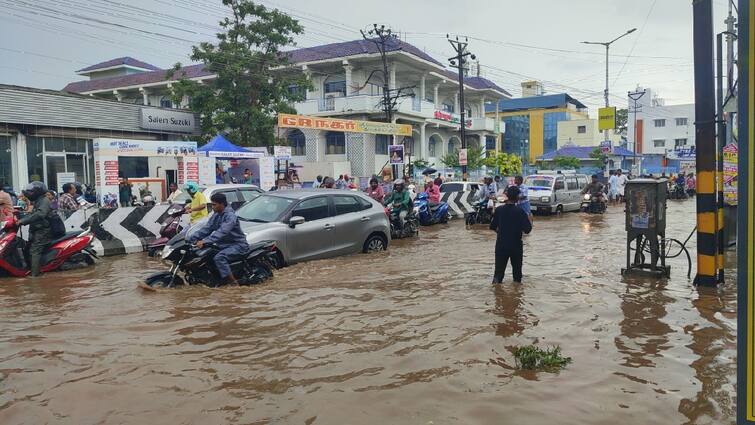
167 120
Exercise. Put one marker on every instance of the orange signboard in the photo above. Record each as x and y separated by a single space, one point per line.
350 126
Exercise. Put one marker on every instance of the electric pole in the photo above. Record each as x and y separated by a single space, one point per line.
635 96
382 36
459 61
607 45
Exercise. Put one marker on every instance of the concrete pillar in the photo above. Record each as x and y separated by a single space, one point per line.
423 142
145 95
457 109
422 92
436 99
305 70
21 178
392 81
482 107
347 71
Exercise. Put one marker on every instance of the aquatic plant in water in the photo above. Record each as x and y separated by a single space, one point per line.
533 357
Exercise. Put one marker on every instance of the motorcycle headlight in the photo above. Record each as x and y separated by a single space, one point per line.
586 197
166 252
545 199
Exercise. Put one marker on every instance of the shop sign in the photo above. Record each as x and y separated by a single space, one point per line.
605 147
731 158
348 126
282 153
449 117
167 120
607 118
682 153
463 156
127 147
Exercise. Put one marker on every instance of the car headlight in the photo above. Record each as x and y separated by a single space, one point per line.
545 199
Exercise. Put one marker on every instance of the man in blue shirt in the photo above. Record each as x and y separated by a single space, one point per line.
224 231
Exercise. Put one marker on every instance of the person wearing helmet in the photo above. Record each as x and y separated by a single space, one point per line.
400 200
198 206
40 233
595 188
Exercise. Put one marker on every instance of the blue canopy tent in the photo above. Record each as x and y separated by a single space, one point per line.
220 148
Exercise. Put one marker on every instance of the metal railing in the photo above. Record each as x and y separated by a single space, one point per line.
327 104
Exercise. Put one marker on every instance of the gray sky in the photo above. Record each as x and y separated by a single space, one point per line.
43 42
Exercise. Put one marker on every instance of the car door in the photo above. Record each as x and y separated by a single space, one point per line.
572 188
314 238
559 193
352 221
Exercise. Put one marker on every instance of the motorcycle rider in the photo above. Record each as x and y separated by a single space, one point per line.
433 193
401 202
198 206
595 189
223 230
40 233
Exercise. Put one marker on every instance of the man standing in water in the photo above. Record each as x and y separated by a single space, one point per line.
510 222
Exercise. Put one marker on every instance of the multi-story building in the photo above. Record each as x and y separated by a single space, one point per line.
531 121
584 132
347 83
660 129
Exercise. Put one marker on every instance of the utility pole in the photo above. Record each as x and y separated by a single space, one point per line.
720 142
459 61
382 36
635 96
607 45
705 140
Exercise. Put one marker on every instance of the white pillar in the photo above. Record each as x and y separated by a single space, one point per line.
423 142
308 74
482 107
436 99
21 172
145 95
392 81
456 103
347 71
422 87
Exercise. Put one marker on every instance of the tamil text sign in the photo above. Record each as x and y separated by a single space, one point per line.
349 126
607 118
731 156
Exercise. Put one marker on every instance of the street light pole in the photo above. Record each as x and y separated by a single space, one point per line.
459 61
607 45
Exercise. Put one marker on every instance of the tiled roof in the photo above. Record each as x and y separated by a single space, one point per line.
126 60
308 54
583 152
536 102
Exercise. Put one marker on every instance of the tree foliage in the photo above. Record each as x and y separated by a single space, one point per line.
475 158
599 157
622 116
506 164
254 80
566 162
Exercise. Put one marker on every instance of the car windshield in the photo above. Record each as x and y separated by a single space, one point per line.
538 181
264 209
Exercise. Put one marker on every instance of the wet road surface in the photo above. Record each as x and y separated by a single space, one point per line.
416 335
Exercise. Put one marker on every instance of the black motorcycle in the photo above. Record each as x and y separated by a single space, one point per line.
480 215
678 192
198 267
592 204
410 227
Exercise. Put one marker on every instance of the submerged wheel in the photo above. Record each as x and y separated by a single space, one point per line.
375 243
560 209
470 219
165 282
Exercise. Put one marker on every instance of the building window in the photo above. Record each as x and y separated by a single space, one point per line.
381 144
680 142
581 129
297 142
296 92
335 87
6 175
453 146
490 143
659 143
408 146
432 146
165 102
659 123
447 107
681 121
335 143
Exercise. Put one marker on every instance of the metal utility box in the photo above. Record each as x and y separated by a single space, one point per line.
646 225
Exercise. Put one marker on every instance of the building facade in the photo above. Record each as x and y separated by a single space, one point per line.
532 122
46 132
584 132
660 129
347 82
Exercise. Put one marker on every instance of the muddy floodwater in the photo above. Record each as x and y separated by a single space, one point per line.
416 335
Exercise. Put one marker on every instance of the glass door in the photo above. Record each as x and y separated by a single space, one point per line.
54 164
6 171
76 163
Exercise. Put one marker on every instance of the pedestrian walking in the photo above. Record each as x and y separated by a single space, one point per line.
509 222
613 189
124 192
317 183
524 200
40 233
67 202
340 183
621 183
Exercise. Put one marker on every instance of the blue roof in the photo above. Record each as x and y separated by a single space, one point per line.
583 152
560 100
221 144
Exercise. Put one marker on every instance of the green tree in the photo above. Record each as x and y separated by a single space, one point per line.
599 157
566 162
254 79
622 115
506 164
475 158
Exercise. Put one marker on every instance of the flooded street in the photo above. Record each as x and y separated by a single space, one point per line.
416 335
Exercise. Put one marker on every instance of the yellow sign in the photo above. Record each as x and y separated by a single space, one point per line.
350 126
607 118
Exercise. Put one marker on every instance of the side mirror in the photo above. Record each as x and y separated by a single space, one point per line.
295 221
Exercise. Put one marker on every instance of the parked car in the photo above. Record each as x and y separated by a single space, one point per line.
555 193
309 224
236 194
459 187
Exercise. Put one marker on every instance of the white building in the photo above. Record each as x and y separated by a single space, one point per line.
661 129
347 83
584 132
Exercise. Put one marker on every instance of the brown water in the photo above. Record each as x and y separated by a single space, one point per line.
417 335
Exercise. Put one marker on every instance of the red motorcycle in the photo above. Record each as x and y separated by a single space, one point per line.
73 250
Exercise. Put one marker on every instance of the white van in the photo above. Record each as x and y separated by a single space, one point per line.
555 192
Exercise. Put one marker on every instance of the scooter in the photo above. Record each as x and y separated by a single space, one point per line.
430 214
678 192
198 267
71 251
170 227
592 204
480 215
410 227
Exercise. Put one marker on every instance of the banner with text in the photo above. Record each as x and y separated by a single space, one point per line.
349 126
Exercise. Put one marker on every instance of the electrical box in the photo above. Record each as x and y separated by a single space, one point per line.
646 226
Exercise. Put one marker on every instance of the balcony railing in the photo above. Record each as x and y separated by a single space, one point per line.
327 104
416 104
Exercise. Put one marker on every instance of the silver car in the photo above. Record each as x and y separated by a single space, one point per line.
310 224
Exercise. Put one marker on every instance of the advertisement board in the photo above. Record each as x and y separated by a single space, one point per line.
462 157
731 158
607 118
348 126
605 147
396 153
282 153
167 120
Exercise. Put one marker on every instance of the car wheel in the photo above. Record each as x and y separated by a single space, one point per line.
374 243
560 209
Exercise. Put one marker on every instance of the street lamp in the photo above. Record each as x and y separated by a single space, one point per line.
608 44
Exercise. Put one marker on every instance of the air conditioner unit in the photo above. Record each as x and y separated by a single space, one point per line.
333 95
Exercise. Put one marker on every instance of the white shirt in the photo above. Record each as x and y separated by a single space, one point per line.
622 183
613 183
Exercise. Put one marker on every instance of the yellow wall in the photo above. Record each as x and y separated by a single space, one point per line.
536 135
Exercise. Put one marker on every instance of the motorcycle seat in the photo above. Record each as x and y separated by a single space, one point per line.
68 235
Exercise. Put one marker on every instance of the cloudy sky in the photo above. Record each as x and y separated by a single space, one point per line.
43 42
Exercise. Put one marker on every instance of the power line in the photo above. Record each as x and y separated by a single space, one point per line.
636 39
